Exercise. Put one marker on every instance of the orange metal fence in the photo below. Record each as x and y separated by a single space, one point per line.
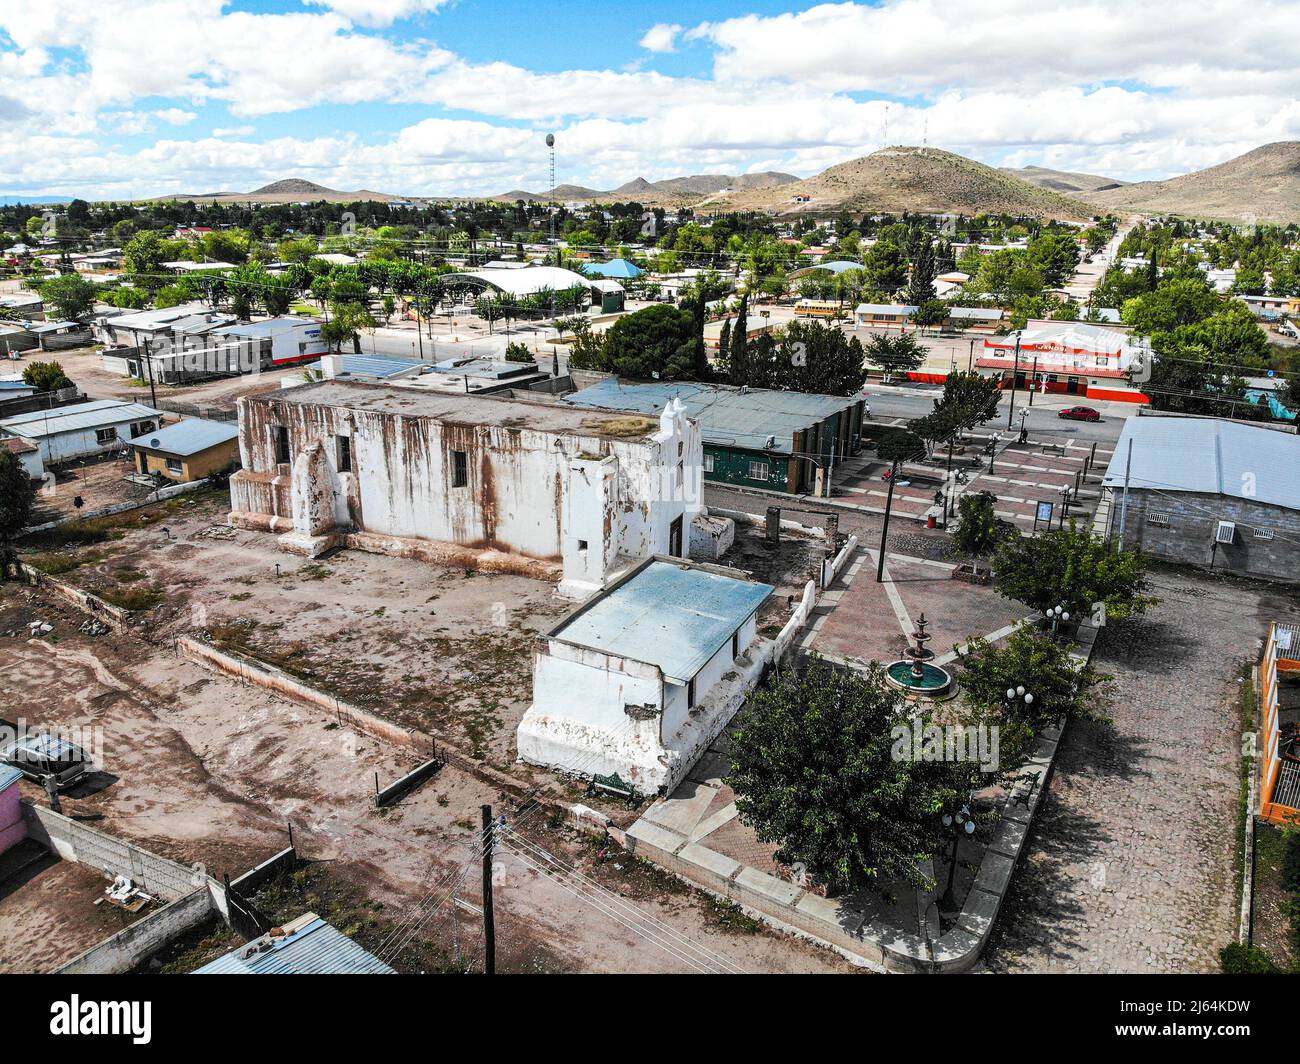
1279 649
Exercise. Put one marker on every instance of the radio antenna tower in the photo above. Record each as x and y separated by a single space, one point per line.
550 143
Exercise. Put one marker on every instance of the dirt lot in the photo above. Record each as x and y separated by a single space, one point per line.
447 651
83 366
50 894
787 566
202 769
99 483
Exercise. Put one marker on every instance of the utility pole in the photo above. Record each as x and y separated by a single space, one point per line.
1033 382
148 359
489 924
884 528
1123 506
1015 373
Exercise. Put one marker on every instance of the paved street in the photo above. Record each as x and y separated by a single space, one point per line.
1131 865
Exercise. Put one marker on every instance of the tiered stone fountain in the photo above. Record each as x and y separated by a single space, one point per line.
916 675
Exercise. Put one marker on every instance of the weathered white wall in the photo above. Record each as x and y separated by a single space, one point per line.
528 492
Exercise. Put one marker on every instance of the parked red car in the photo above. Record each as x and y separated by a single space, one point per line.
1080 413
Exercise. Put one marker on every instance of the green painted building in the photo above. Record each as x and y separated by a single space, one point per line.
754 438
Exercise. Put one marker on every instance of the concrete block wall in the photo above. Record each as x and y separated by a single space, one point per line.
123 951
1189 535
74 841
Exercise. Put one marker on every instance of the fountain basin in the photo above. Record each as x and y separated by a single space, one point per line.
933 681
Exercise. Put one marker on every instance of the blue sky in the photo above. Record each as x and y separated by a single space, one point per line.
454 96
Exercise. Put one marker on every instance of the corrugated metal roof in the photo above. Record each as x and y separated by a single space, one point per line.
374 366
885 308
727 416
8 776
668 614
82 416
268 327
190 436
313 948
1209 456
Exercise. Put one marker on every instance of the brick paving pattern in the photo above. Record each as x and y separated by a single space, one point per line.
1131 865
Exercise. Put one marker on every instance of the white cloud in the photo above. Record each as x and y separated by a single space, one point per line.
1117 88
661 37
378 12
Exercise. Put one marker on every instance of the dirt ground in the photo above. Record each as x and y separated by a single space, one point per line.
446 651
200 768
787 566
84 368
98 482
49 916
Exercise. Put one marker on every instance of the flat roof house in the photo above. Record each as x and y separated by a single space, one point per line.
494 483
641 677
754 437
67 432
190 449
1207 492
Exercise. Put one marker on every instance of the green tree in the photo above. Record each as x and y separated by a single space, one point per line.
895 355
1069 567
348 321
15 509
814 771
46 376
657 342
1061 687
979 529
920 281
884 267
902 446
73 297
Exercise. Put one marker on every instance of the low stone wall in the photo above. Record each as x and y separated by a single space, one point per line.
831 567
76 597
158 495
273 679
395 790
795 624
123 951
84 845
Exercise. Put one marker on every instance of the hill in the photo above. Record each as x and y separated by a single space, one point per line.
672 191
1066 181
899 179
287 190
1263 183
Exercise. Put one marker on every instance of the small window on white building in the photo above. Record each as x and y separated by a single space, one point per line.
708 463
459 469
174 466
344 454
105 435
1158 517
758 471
582 544
1262 533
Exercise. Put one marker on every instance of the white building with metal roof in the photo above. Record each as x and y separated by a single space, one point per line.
68 432
643 676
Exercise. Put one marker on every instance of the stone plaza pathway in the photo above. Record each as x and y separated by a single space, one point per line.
1130 867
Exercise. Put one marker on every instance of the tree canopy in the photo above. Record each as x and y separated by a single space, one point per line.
813 769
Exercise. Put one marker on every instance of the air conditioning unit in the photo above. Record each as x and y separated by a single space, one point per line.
1225 532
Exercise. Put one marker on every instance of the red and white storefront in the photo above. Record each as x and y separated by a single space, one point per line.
1070 358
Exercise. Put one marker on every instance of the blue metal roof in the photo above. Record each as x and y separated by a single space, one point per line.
669 614
727 416
8 776
613 268
377 366
190 436
309 946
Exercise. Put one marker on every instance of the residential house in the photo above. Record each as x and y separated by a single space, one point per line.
190 449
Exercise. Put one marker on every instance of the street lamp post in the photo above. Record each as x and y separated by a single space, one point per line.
1056 615
957 824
